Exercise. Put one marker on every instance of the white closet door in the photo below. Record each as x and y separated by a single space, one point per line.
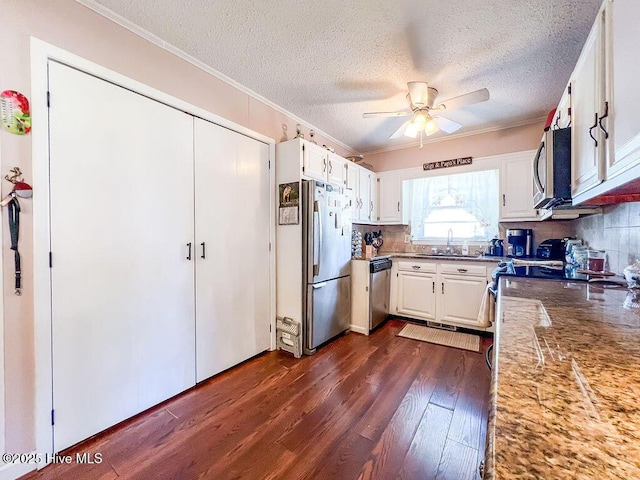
121 186
232 220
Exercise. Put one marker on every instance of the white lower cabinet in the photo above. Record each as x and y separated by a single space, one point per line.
460 298
416 290
449 293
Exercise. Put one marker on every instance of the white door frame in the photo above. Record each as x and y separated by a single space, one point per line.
41 54
2 372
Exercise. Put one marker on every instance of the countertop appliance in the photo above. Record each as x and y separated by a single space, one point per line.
552 169
521 241
326 250
551 249
380 282
496 249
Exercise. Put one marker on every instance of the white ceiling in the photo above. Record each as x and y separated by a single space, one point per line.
329 61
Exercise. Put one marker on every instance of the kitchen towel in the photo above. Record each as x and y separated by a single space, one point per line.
487 309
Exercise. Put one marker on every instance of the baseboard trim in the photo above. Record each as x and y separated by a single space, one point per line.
11 471
358 329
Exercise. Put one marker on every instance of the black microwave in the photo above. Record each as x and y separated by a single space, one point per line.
552 169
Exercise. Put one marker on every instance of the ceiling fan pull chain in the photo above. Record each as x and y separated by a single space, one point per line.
420 138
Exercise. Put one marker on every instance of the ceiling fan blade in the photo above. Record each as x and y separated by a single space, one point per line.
401 113
418 92
447 125
400 132
470 98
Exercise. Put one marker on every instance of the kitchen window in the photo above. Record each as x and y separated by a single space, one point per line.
466 203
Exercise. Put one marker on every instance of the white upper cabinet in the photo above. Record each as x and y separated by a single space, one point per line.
389 198
336 170
516 188
362 183
366 202
562 118
624 70
588 91
605 100
315 161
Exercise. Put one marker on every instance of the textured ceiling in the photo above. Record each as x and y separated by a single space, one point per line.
329 61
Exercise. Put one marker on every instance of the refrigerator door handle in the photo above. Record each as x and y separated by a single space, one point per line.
317 238
319 285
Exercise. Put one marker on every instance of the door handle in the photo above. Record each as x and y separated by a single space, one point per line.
189 251
504 200
606 114
330 166
319 285
595 124
443 287
203 254
536 177
415 267
324 165
398 206
317 238
464 270
433 287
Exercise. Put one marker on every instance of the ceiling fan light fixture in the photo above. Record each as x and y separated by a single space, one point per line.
411 130
420 120
431 127
418 92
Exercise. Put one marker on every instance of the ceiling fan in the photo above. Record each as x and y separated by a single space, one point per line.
425 111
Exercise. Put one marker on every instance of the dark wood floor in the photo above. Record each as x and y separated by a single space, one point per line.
376 407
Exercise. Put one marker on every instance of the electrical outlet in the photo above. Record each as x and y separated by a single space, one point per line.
407 238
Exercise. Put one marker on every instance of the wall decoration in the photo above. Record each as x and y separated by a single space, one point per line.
288 203
15 115
455 162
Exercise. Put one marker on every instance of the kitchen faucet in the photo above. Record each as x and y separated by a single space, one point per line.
449 240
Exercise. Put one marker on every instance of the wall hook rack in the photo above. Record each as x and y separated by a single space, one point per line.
16 177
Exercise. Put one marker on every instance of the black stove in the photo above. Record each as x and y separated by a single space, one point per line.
566 272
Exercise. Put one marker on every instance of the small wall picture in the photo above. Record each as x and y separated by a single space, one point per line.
288 203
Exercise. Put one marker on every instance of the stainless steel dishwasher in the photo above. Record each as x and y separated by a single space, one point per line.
380 281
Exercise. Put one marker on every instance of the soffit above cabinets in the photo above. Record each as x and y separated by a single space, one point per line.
329 62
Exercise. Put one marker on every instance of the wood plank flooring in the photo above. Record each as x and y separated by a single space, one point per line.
376 407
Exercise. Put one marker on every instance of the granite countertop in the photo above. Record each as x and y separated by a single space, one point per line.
565 391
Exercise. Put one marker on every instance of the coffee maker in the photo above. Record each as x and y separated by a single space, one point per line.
521 241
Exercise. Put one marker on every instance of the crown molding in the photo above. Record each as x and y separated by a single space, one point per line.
455 136
141 32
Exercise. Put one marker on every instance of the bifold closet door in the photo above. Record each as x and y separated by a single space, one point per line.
232 221
121 193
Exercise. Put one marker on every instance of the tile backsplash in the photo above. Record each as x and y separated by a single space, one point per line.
616 230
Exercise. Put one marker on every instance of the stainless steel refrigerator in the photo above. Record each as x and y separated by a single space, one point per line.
326 226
